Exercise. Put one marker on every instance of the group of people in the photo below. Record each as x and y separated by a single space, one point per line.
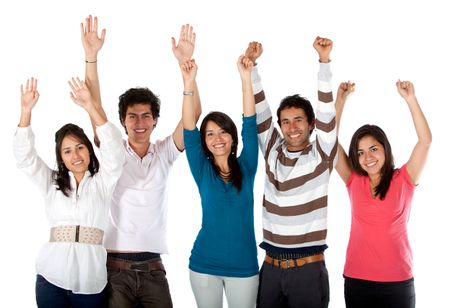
108 218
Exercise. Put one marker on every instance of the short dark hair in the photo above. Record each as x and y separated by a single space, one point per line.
61 174
297 101
135 96
387 171
227 124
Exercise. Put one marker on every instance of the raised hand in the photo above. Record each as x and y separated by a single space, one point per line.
245 66
254 51
29 95
323 47
184 50
189 70
405 89
345 90
80 93
92 43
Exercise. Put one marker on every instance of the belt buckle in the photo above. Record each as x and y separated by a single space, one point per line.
287 263
139 267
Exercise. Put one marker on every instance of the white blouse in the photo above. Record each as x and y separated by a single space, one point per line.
78 267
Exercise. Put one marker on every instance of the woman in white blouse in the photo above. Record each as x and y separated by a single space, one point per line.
71 267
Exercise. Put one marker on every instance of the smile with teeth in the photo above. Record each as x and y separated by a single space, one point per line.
78 162
219 146
371 164
140 131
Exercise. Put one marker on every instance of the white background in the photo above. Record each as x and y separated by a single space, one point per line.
375 43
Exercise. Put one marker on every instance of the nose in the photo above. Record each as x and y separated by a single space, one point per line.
76 154
292 126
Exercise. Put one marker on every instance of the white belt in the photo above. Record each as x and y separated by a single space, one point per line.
76 234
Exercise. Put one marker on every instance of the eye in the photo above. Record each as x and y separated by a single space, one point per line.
131 116
373 149
66 152
147 116
80 147
360 153
209 134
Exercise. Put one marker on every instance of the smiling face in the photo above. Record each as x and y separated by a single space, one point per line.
217 140
139 123
75 156
295 128
371 155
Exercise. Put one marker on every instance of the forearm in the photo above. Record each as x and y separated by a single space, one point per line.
97 115
248 99
197 102
25 118
188 111
420 123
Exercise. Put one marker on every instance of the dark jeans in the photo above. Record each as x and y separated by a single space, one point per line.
306 286
50 296
128 289
372 294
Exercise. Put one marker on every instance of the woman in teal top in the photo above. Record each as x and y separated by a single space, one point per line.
224 255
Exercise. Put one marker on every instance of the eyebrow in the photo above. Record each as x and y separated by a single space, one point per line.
371 147
134 113
68 148
295 118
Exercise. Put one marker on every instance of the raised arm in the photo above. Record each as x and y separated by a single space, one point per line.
28 99
81 95
183 52
343 165
189 71
92 43
419 155
245 66
325 121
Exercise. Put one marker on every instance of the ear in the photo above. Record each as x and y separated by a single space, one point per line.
312 125
156 122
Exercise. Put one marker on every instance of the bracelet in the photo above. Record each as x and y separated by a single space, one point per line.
87 61
190 93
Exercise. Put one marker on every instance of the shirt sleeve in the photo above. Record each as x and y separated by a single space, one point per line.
194 153
249 154
267 133
29 162
326 135
112 151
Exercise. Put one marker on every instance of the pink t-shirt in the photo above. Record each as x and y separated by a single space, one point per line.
378 248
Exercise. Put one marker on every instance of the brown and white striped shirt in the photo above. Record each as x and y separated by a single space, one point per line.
296 185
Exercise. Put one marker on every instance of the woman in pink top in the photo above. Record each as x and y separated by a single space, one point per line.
378 267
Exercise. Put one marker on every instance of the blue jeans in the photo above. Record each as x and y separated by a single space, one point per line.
49 296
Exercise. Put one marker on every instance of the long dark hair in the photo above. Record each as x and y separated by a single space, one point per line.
224 122
387 171
61 174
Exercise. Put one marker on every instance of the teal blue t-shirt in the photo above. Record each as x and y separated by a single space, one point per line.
225 244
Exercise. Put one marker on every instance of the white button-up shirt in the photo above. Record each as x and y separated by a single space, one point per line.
78 267
139 203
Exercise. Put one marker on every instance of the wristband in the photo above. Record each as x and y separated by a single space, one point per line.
188 93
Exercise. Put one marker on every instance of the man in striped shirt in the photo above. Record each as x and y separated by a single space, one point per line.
296 188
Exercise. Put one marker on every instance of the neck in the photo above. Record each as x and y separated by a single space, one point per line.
222 163
375 179
141 149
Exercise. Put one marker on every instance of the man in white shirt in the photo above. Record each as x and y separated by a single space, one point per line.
136 235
